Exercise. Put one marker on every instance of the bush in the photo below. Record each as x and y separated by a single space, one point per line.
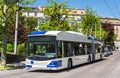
21 50
10 48
0 46
6 67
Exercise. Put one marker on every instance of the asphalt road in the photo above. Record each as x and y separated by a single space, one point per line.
107 68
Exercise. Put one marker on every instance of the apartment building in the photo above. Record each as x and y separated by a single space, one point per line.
74 15
116 25
32 12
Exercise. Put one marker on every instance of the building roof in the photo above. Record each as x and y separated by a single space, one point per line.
73 12
113 21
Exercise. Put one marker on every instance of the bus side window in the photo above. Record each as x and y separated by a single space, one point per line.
86 49
76 49
99 49
81 49
68 49
65 49
89 48
59 51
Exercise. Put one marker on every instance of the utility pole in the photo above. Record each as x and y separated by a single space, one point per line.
16 32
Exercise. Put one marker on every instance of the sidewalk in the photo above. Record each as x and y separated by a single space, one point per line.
19 65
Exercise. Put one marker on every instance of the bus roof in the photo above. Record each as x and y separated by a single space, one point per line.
64 35
52 33
39 33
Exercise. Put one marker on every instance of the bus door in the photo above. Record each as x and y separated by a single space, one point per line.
93 50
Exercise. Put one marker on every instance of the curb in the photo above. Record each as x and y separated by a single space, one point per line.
20 65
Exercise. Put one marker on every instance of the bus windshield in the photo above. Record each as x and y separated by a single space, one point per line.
41 50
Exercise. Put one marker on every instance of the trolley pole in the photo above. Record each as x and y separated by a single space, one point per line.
95 28
100 32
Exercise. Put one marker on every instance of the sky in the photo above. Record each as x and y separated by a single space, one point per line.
104 8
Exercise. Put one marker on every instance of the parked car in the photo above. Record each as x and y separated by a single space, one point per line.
110 51
107 53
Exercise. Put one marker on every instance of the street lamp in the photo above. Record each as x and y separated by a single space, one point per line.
16 31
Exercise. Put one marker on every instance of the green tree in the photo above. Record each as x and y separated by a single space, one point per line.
31 23
57 15
110 36
23 30
91 25
7 9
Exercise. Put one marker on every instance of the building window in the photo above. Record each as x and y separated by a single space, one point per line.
28 14
35 14
74 11
117 28
81 12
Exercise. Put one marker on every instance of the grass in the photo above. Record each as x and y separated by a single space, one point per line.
6 68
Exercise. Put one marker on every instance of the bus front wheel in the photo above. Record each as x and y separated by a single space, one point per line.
69 65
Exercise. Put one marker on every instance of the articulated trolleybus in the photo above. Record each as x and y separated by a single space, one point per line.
55 50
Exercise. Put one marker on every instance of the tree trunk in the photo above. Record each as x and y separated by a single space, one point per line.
4 35
3 53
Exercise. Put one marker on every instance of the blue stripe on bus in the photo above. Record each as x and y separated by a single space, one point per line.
54 64
90 38
37 33
28 66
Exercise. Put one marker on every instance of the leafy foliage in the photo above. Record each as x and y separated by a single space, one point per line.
21 50
31 23
0 46
6 67
22 34
22 30
110 36
7 9
91 25
10 48
57 14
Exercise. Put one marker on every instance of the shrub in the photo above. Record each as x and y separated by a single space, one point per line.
0 46
6 67
21 50
10 48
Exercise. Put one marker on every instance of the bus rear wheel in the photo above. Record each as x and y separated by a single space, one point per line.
101 57
89 59
69 64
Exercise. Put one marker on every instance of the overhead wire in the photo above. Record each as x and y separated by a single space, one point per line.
109 8
116 7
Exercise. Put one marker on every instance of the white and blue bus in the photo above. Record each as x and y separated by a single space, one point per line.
55 50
